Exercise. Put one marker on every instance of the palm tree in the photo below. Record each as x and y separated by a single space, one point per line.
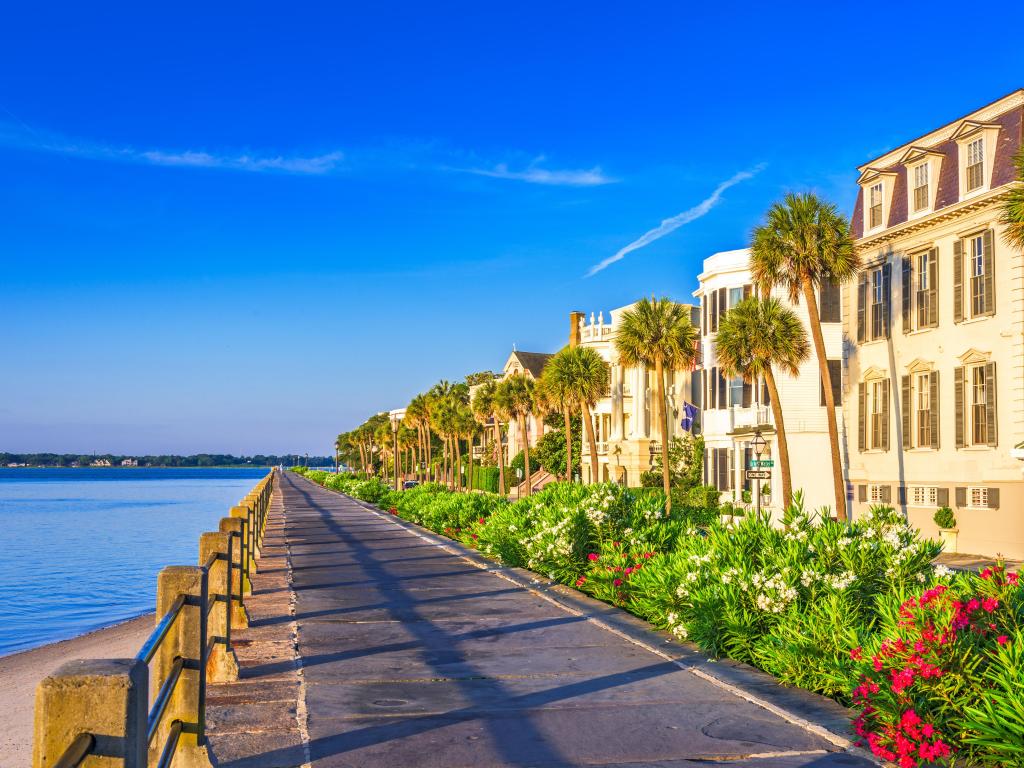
515 397
417 413
554 386
485 409
579 377
1013 209
658 333
754 336
804 242
463 426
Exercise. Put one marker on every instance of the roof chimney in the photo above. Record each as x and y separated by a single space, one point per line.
575 318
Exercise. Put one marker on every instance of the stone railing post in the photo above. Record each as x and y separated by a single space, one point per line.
244 513
221 666
233 525
186 640
105 698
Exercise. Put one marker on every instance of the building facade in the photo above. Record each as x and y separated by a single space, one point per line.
531 365
935 369
626 427
735 411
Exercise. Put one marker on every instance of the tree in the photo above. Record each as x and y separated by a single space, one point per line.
658 333
515 397
417 413
555 387
803 242
1013 208
486 409
685 461
553 448
580 376
755 337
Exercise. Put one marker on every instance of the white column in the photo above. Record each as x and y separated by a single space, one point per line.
616 432
640 396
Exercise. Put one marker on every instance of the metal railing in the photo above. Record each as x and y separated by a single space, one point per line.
190 590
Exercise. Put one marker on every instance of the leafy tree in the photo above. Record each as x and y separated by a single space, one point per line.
515 398
803 242
1013 208
686 464
551 450
579 376
486 409
754 338
519 463
657 333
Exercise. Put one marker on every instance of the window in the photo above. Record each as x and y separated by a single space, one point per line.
920 187
877 399
736 392
829 301
735 296
923 395
835 374
977 497
976 270
975 164
877 494
927 295
873 300
873 415
877 303
875 206
924 496
920 410
979 406
975 399
974 274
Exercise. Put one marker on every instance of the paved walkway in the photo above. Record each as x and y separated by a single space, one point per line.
371 645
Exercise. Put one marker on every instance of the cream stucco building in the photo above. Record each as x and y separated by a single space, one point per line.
625 422
734 411
935 379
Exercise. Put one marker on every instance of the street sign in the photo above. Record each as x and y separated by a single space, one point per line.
758 474
760 463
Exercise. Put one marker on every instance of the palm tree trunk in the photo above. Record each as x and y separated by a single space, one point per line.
568 444
526 455
500 454
458 465
780 436
830 403
588 426
430 466
666 470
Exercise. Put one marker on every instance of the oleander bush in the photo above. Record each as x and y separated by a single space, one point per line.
933 662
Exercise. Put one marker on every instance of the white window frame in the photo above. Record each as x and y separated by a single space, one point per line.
879 187
875 494
974 150
923 496
876 391
922 410
917 171
974 407
974 251
977 497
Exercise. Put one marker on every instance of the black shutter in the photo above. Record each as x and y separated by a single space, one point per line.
862 397
748 455
993 498
766 395
958 405
723 400
835 375
732 467
961 496
887 299
862 297
829 293
901 494
991 424
933 406
885 415
958 281
713 389
704 310
989 263
747 391
906 282
906 403
714 311
933 288
942 497
862 493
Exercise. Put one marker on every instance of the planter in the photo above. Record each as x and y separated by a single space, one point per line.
948 538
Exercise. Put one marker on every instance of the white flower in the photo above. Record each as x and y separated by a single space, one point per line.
942 571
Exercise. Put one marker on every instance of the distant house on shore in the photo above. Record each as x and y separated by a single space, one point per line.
129 462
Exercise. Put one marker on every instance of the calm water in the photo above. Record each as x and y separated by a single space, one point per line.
81 548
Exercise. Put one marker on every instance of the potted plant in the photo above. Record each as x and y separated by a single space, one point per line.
946 520
726 512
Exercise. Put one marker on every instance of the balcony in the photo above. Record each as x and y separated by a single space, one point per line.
747 419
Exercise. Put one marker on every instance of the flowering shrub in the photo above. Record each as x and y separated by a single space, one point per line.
945 677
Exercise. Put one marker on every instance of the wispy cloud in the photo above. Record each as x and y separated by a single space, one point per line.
670 225
534 174
315 164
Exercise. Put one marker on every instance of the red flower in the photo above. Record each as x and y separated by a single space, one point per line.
856 654
990 604
617 583
1002 639
581 581
593 556
481 521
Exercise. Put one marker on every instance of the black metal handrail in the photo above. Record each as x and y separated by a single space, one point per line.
80 748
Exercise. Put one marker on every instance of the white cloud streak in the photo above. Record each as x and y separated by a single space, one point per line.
316 164
670 225
533 174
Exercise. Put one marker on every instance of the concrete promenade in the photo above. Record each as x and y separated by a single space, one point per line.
373 644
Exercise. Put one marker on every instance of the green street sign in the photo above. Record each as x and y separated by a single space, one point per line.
758 463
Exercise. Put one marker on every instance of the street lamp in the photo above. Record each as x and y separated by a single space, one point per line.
758 444
396 418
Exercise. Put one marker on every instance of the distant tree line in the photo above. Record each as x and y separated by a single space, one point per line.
196 460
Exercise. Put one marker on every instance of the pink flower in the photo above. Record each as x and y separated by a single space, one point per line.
481 521
581 581
1002 639
986 574
593 556
617 583
856 654
990 604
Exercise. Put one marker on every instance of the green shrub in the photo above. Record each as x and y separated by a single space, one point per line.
944 518
518 463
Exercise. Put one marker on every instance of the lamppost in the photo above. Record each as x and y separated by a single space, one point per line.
758 444
396 417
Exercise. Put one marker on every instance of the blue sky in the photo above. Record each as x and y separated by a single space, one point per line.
231 227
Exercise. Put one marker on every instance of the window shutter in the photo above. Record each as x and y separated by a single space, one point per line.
886 494
942 497
958 281
993 498
906 405
933 406
704 309
990 404
961 496
906 281
887 299
766 396
732 467
901 494
747 392
707 460
988 257
958 401
723 400
714 311
748 291
862 298
723 303
862 397
933 288
862 493
885 415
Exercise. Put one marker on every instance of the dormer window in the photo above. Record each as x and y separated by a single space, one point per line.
875 205
975 164
920 187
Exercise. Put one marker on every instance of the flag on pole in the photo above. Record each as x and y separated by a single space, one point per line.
689 414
